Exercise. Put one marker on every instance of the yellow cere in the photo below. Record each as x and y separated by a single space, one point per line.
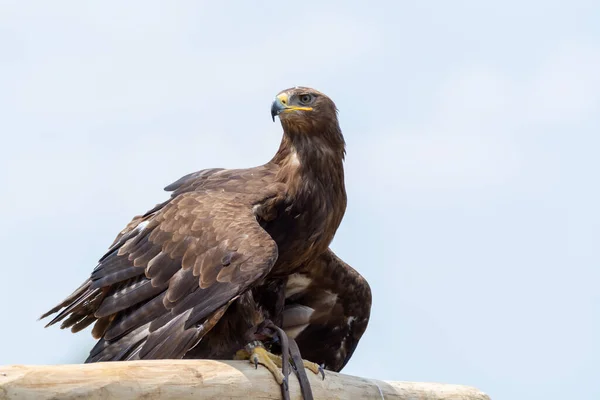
283 98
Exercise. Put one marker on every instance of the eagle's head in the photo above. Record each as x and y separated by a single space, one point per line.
305 110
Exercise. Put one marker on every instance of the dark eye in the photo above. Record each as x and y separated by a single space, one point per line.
305 98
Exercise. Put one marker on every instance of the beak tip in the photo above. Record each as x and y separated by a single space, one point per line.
276 109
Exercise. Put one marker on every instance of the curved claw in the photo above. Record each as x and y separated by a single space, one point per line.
322 370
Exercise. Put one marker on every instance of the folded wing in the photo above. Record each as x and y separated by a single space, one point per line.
172 272
327 310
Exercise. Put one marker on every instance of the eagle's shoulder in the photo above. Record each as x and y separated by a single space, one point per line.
255 183
192 180
243 180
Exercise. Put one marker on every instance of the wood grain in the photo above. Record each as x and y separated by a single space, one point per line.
201 379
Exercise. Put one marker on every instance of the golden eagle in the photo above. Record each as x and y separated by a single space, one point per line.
236 262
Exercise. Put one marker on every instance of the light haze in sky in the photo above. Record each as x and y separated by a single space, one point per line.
472 129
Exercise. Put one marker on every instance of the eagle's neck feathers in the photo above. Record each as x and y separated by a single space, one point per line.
306 160
311 168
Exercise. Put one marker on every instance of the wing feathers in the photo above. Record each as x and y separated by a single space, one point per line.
131 319
106 350
171 340
84 323
116 277
161 268
141 260
171 273
327 310
77 294
182 283
296 315
129 296
80 306
203 307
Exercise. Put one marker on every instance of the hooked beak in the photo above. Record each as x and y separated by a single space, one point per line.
281 104
276 108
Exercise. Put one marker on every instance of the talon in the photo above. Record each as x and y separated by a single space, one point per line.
314 367
259 355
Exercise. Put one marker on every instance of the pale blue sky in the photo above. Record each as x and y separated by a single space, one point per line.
472 168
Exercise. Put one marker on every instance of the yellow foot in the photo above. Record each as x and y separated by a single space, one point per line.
314 367
311 366
257 354
278 361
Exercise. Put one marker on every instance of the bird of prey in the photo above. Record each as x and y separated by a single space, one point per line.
236 263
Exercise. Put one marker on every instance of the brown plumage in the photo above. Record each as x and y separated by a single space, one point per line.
232 248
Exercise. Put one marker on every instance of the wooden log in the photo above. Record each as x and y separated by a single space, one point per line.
201 379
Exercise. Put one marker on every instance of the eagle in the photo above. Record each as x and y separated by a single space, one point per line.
236 263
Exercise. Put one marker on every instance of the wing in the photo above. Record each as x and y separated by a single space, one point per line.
172 272
327 310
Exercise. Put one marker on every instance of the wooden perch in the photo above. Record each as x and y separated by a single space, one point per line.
201 379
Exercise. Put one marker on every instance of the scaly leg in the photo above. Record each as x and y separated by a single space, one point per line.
289 347
279 366
256 353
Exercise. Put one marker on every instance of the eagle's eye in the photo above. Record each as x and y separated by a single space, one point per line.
305 98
